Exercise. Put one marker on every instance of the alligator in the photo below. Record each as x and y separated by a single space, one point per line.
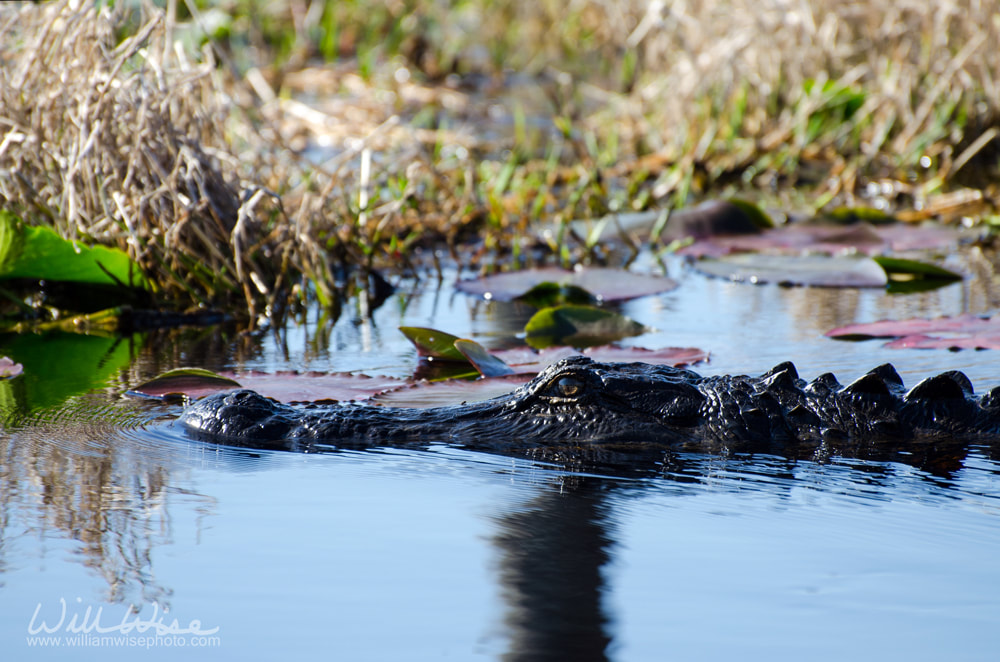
581 403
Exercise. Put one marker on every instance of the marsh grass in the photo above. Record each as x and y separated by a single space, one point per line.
265 160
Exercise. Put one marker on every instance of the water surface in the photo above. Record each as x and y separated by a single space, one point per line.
400 553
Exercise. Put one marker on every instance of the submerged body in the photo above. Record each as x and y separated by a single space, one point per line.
580 402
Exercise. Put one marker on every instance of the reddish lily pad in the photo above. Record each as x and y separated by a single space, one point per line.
956 343
452 392
284 386
799 238
965 332
962 324
193 382
604 284
811 270
290 386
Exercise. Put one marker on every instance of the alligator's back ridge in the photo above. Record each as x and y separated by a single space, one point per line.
578 403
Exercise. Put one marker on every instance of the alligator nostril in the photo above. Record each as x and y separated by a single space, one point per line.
570 387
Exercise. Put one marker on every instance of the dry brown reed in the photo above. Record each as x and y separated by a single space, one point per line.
212 181
120 142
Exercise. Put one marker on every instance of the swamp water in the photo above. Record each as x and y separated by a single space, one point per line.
122 539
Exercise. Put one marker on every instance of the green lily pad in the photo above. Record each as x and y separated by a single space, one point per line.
556 294
896 267
40 253
848 215
757 216
579 326
433 344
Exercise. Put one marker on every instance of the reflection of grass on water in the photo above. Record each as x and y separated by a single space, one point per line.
257 161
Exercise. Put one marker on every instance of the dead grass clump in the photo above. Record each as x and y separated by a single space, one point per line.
119 142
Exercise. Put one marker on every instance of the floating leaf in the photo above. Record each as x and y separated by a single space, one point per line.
961 324
454 392
966 332
757 216
956 343
605 284
433 344
193 382
556 294
579 326
286 386
487 364
289 386
530 360
40 253
813 270
9 369
798 238
895 266
848 215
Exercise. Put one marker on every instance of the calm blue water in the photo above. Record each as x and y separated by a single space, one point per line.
450 553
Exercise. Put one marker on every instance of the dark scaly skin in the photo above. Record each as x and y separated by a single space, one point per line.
580 403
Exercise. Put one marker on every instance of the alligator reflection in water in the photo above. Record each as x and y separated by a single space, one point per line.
553 551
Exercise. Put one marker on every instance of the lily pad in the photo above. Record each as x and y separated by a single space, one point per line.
487 364
849 215
40 253
529 360
811 270
964 332
895 267
604 284
967 325
579 326
290 386
432 343
799 238
708 219
955 343
193 382
556 294
284 386
452 392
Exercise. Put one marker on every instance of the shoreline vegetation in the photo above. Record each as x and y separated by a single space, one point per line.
259 156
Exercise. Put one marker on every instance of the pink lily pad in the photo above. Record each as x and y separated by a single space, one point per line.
860 238
931 342
312 386
962 324
421 395
285 386
605 284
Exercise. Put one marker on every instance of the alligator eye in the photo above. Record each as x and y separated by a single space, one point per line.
569 387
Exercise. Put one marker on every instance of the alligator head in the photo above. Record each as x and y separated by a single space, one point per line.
578 401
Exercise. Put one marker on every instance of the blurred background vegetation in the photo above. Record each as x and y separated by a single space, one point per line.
258 154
